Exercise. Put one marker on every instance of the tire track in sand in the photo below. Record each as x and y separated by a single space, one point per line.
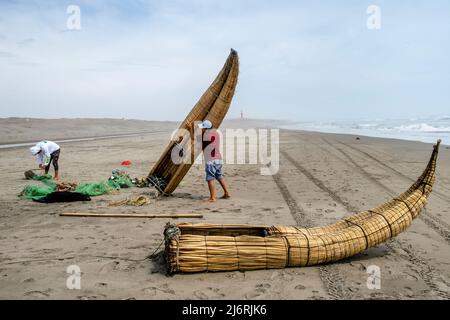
428 274
382 164
331 277
438 225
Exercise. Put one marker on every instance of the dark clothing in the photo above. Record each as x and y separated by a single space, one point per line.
54 157
63 196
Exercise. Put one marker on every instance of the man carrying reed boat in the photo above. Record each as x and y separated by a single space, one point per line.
213 159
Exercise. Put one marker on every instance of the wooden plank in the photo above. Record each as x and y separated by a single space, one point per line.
130 215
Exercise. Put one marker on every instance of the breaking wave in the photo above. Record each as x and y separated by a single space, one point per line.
425 130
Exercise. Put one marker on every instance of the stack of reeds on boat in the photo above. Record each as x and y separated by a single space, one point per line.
203 247
206 247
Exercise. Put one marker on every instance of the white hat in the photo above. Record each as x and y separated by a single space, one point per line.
205 125
35 150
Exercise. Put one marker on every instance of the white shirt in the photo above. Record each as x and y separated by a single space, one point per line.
47 148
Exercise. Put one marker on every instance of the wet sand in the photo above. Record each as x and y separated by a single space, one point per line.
322 178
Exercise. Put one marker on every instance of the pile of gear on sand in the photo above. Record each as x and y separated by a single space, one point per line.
53 191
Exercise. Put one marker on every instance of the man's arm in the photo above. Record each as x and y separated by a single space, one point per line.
40 160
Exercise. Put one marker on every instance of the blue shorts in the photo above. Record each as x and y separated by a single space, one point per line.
213 170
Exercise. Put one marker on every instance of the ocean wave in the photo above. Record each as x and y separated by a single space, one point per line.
418 129
422 127
395 126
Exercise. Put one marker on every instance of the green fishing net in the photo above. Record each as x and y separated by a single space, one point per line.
93 188
118 180
35 192
43 177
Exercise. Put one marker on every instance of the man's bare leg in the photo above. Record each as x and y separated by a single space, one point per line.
56 177
212 191
226 193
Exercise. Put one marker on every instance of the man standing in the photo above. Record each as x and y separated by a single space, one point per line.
213 160
47 152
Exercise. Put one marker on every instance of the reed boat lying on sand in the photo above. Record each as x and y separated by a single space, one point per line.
213 106
214 247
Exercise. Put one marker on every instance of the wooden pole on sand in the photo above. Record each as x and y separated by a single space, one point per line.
128 215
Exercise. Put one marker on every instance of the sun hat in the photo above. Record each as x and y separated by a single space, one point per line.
205 125
35 150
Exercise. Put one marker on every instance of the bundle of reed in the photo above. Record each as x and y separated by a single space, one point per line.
196 253
200 248
234 230
213 105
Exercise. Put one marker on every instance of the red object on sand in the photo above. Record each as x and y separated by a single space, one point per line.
126 163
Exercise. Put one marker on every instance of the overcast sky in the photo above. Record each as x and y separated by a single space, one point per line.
299 60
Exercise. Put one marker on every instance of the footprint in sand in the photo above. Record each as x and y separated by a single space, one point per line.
163 288
286 276
126 266
37 294
94 297
253 294
150 291
262 287
200 295
299 287
166 289
101 284
359 266
236 275
107 267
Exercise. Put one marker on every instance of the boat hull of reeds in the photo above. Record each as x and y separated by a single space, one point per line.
213 247
213 105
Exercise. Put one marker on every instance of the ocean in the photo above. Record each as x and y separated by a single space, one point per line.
418 129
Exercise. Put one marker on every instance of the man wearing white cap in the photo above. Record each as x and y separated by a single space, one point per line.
213 160
47 152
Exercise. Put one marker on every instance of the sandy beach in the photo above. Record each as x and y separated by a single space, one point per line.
322 178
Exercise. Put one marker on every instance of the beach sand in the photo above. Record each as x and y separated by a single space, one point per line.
322 178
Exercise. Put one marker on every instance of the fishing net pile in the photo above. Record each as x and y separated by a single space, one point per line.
119 179
138 201
208 247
